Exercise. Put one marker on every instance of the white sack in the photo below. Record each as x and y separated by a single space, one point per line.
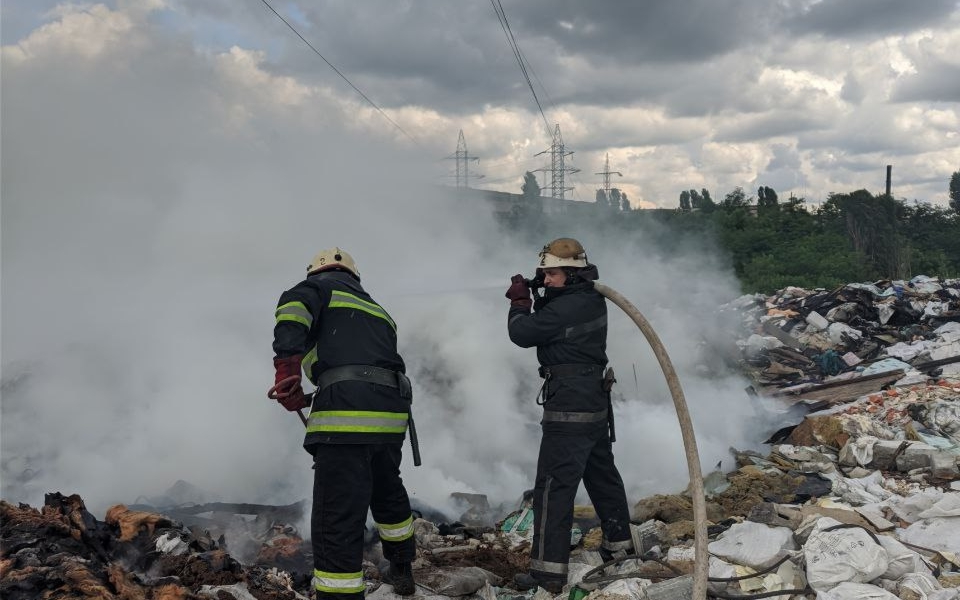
753 544
847 554
856 591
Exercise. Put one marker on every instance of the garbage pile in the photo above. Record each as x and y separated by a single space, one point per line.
820 345
859 499
63 551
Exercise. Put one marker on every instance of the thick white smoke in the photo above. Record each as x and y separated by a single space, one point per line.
157 200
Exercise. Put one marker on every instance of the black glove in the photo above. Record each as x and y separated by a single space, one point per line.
519 292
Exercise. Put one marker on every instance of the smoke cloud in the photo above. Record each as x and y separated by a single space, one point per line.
157 199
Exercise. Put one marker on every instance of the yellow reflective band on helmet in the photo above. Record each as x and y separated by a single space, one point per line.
357 421
338 583
307 363
340 299
294 311
397 532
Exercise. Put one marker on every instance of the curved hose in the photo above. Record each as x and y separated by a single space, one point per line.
701 564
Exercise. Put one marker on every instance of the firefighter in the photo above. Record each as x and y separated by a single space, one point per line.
346 344
568 326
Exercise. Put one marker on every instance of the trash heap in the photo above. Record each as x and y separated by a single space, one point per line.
63 551
814 345
859 498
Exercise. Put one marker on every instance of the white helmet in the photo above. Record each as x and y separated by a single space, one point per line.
332 258
562 252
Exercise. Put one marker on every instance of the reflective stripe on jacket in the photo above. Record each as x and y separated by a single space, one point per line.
331 320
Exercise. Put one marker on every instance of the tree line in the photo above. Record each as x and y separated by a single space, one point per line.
770 242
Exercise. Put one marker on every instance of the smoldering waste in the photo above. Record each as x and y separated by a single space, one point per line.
858 496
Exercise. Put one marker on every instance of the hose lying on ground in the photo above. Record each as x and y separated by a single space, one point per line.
701 564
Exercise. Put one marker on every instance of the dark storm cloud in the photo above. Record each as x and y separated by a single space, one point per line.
784 157
842 18
938 82
455 57
778 123
653 32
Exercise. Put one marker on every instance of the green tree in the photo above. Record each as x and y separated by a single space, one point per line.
955 191
735 199
601 199
696 202
615 197
685 201
706 202
530 188
871 223
766 197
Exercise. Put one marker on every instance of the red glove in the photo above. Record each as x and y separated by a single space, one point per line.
519 292
286 388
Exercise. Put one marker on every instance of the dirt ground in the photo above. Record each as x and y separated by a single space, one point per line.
502 562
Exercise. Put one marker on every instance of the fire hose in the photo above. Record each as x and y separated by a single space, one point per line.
701 564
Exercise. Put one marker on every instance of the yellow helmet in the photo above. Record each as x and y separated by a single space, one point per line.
332 258
563 252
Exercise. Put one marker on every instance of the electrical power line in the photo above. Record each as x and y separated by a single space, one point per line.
337 71
512 41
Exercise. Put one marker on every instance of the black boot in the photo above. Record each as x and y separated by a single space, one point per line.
526 581
400 576
609 555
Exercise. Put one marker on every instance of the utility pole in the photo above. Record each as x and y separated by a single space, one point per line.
463 159
606 176
557 168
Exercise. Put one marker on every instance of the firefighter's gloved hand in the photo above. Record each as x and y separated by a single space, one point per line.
519 292
296 400
286 388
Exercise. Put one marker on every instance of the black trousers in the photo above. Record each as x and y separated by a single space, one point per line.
567 456
348 480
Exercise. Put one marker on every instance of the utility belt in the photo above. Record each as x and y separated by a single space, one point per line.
571 370
578 370
379 376
562 416
368 373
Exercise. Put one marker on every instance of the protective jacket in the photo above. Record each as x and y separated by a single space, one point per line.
340 329
569 329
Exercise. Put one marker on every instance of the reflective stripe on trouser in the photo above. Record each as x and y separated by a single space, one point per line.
338 583
564 460
349 479
396 532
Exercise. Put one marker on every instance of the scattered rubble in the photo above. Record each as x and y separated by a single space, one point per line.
834 346
857 499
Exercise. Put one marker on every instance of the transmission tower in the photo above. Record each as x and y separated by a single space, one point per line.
606 176
463 159
557 169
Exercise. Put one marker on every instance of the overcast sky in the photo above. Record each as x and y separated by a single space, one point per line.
169 168
808 97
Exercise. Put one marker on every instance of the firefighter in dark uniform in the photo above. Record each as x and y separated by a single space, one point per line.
568 326
346 344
